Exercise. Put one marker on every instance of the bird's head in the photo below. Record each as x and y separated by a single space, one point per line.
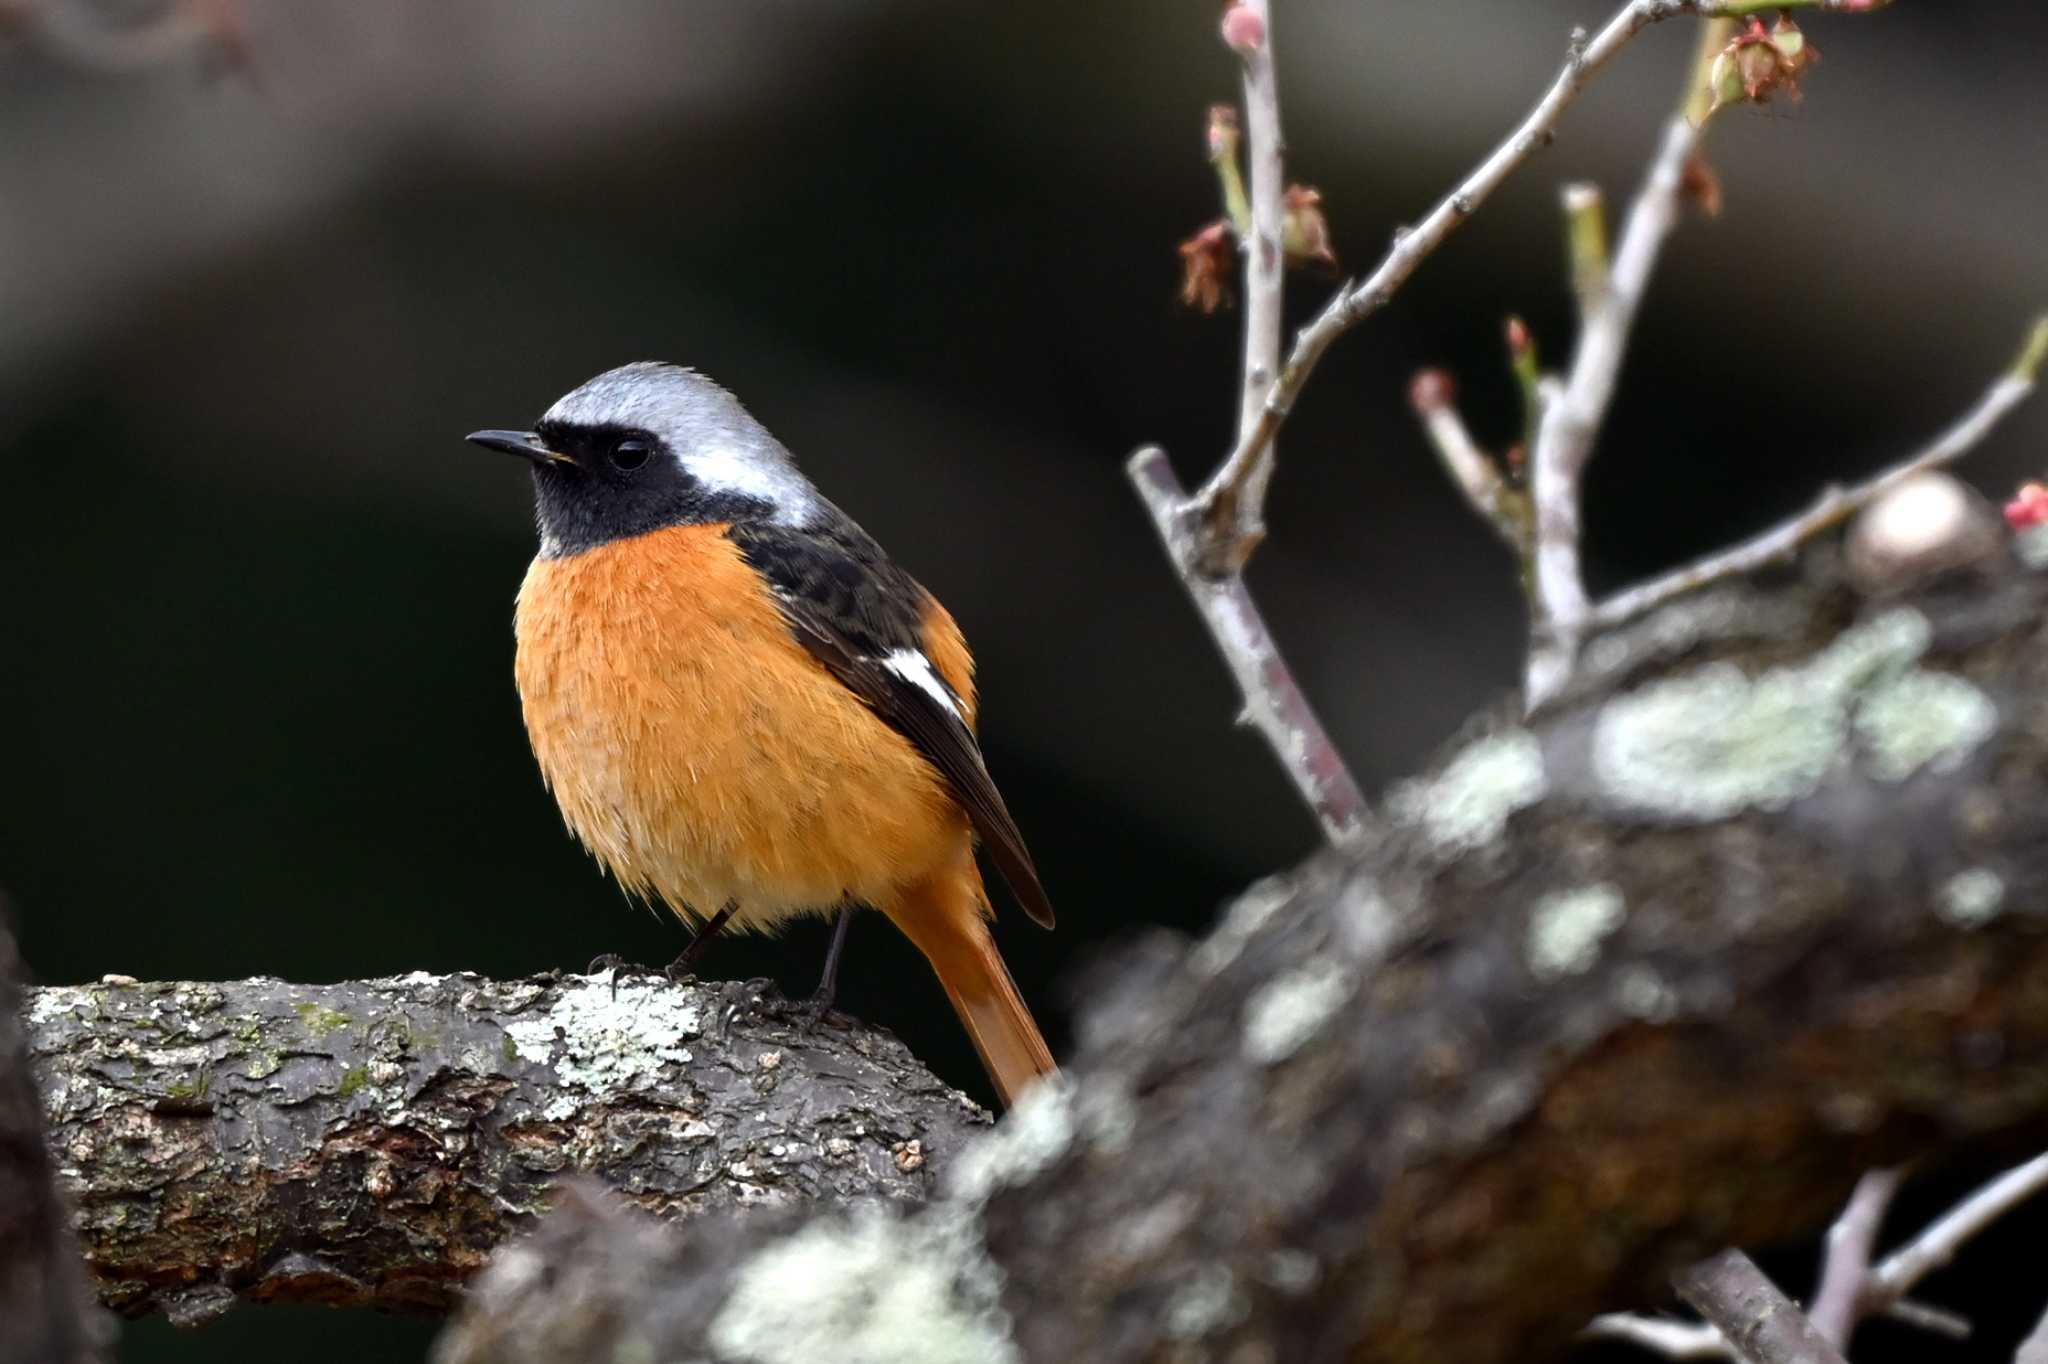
646 446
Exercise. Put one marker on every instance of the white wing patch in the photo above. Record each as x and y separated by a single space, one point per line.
913 667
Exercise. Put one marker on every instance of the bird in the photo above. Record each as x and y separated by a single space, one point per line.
744 708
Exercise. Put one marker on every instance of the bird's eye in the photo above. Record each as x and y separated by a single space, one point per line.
629 453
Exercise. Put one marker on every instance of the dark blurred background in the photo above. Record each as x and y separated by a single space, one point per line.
257 657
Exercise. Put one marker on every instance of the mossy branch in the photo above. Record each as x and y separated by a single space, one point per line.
372 1142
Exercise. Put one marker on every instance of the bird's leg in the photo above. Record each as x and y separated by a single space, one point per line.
820 1002
686 961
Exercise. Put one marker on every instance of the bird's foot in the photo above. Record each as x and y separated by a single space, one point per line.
620 969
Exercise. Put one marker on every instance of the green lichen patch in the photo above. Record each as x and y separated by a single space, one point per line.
1567 927
319 1019
1285 1012
1467 805
352 1080
1923 719
261 1065
870 1288
191 1091
1713 742
1244 919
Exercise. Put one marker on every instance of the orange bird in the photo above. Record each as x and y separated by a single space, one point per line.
744 707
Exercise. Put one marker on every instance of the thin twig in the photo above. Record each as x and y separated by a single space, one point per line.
1761 1323
1845 1266
1224 502
1241 503
1936 1246
1473 471
1659 1335
1835 504
1571 422
1274 704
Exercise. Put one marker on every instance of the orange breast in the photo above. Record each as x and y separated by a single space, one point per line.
701 754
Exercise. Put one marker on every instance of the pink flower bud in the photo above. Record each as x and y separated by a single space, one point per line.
1431 389
1243 30
2028 508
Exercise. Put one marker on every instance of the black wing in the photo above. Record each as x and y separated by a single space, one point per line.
855 610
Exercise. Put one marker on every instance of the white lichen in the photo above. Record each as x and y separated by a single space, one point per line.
1244 918
1971 899
1923 719
1289 1009
607 1043
1642 993
1210 1301
1467 805
1714 742
1106 1115
51 1000
1035 1132
1567 927
1293 1272
871 1288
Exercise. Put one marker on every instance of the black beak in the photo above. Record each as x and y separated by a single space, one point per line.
522 443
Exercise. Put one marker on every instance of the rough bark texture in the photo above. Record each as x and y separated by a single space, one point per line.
372 1142
46 1312
1760 906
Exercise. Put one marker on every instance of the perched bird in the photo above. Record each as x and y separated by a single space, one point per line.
743 707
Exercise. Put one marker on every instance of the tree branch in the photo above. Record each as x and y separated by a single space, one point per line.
1845 1267
1649 977
1274 703
1763 1324
370 1142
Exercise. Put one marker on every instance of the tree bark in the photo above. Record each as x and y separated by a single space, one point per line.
372 1142
1759 907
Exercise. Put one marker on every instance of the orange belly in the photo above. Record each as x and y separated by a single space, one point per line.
700 753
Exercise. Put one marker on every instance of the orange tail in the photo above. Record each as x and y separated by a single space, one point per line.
943 916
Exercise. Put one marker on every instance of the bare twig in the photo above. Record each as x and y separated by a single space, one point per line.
1659 1335
1836 504
1221 502
1240 498
1763 1325
1473 471
1936 1246
1274 704
1845 1266
1571 422
1585 213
